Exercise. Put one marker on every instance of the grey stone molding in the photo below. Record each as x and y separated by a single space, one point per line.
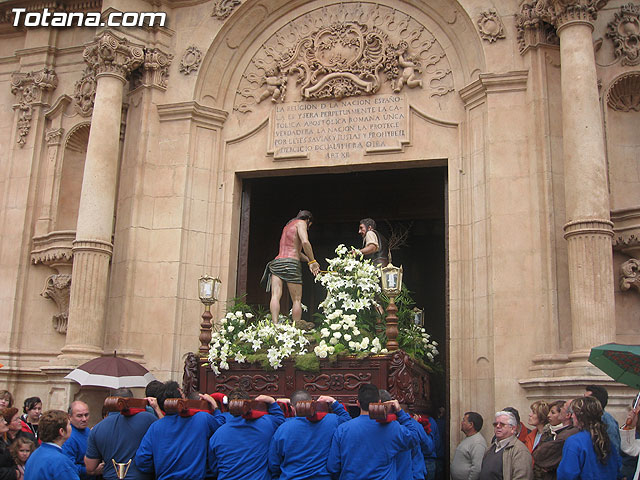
626 231
490 26
31 89
624 32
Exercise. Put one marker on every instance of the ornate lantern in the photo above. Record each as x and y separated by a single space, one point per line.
209 290
392 286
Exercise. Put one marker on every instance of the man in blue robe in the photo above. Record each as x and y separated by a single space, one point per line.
299 448
175 447
364 448
239 449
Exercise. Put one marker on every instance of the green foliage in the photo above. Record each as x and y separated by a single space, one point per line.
308 362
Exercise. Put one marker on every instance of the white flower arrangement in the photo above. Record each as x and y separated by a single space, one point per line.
237 337
415 340
352 285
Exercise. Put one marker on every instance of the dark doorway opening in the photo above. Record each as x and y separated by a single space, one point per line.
412 197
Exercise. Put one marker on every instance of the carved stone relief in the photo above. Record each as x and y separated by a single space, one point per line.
490 26
344 50
54 250
154 71
156 67
630 275
191 60
626 229
58 289
31 89
624 32
223 8
85 92
624 93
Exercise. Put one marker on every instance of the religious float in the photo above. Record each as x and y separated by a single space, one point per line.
367 331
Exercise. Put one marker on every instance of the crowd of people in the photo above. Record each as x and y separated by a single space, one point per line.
575 439
568 440
270 443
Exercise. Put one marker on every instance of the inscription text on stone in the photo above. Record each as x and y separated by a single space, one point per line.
336 129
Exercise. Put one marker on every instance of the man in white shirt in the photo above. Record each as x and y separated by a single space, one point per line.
467 461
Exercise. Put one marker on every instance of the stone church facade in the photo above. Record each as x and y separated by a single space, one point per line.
124 152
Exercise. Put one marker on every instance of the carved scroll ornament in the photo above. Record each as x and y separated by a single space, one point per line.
344 50
630 275
190 60
85 93
261 383
223 8
402 385
624 31
490 26
31 89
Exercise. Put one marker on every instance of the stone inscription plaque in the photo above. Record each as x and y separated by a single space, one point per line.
339 129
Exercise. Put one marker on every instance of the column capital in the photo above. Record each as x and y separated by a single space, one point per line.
537 16
564 12
113 55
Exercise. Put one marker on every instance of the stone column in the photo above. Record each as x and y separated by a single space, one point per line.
112 59
588 230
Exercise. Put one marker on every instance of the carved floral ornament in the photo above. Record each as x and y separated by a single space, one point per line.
344 50
624 31
31 89
490 26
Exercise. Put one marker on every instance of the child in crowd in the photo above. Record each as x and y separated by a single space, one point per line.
20 451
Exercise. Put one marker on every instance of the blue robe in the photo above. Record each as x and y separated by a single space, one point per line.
48 462
75 448
175 447
299 448
365 449
579 460
239 449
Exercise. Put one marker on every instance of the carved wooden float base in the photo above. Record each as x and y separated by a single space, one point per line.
396 372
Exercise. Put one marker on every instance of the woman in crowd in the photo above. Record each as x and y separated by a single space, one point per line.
6 399
32 411
8 470
20 450
588 455
548 453
537 419
12 417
